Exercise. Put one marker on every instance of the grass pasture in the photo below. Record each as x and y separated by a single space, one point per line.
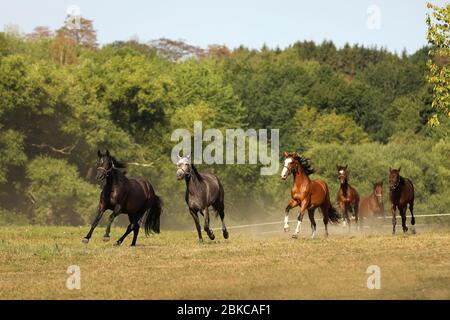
250 265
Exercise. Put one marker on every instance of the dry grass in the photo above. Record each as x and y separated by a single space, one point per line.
172 265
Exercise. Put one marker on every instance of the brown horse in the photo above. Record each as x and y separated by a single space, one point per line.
401 195
347 196
372 206
309 194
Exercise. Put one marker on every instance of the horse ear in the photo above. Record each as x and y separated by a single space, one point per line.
346 166
188 156
399 169
178 157
107 152
337 167
285 154
99 154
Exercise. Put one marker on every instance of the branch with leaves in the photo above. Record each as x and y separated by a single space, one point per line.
438 37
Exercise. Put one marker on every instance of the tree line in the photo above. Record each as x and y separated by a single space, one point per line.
62 97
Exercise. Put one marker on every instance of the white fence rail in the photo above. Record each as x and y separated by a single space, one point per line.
388 216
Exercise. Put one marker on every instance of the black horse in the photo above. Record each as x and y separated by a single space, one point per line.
202 190
133 196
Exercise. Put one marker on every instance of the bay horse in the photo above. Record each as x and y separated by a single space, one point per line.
133 196
372 206
401 196
306 193
347 196
202 190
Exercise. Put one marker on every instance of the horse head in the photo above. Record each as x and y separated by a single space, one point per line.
394 178
342 173
378 191
183 167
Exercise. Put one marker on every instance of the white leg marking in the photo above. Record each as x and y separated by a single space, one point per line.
286 222
298 228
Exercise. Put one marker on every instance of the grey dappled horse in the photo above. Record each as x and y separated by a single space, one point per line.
202 190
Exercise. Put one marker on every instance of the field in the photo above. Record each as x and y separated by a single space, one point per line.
250 265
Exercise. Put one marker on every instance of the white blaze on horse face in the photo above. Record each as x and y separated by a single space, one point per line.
341 172
285 170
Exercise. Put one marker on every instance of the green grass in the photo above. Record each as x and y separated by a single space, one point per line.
172 265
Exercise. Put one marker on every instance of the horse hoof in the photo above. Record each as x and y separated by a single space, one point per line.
106 239
286 229
200 241
413 231
85 240
225 234
295 236
211 236
118 243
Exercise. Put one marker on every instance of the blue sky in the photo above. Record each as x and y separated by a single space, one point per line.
235 22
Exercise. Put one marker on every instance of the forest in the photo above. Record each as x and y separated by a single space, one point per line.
63 97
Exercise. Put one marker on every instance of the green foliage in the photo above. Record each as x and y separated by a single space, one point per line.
439 77
60 195
61 99
309 127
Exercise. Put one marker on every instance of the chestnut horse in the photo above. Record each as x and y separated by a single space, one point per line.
308 194
372 206
401 196
347 196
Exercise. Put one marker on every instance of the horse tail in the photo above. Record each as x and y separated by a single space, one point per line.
153 215
333 215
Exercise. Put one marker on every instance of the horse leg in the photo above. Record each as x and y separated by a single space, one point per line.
413 220
298 229
292 204
194 215
135 227
394 219
325 208
209 232
100 211
313 222
221 212
113 215
346 216
356 211
127 232
108 227
403 215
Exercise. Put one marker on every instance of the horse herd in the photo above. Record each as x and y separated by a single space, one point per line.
137 198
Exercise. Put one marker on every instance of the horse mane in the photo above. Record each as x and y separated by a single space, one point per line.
196 173
306 164
118 164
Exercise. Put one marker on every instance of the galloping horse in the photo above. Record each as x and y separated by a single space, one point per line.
372 206
347 196
133 196
309 194
202 190
401 195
